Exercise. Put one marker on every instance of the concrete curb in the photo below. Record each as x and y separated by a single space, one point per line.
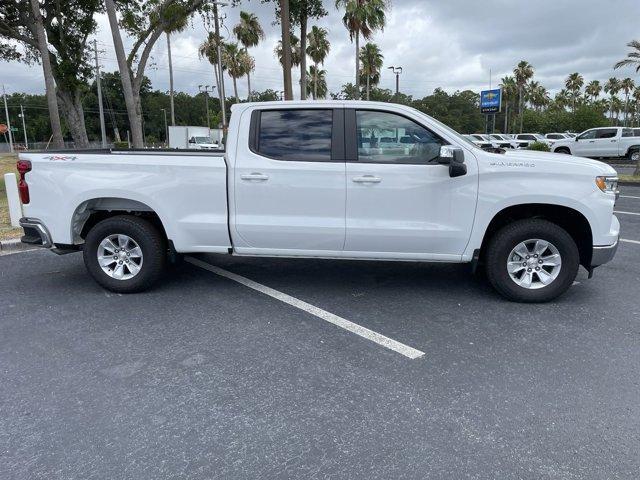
14 245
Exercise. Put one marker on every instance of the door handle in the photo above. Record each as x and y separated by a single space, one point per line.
367 179
255 176
592 141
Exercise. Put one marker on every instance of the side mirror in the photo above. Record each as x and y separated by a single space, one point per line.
454 157
577 138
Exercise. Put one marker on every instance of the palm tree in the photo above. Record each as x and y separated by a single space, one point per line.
318 86
522 73
362 17
562 99
509 94
295 51
235 60
209 50
537 95
593 89
636 98
612 87
318 49
627 85
249 33
574 84
371 59
633 57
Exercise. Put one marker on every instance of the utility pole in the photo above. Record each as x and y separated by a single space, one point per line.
6 112
286 49
173 112
205 89
397 71
24 128
103 129
220 73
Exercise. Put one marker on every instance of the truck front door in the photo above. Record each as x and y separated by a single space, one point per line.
400 202
289 182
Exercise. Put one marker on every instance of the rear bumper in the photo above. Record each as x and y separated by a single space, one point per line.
35 233
604 254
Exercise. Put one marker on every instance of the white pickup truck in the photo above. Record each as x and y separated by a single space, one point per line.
327 179
605 142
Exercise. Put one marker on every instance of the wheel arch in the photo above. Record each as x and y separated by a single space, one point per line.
573 221
89 212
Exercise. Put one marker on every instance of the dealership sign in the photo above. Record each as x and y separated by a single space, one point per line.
490 101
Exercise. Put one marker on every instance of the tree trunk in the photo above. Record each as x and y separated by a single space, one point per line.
303 56
74 114
249 86
286 49
235 90
357 65
50 87
133 111
521 108
368 86
315 83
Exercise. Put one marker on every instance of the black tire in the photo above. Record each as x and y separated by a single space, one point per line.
633 151
564 150
145 234
506 239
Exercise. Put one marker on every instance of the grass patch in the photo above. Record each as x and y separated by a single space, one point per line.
7 165
629 178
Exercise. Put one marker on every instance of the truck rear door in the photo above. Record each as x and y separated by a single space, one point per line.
289 181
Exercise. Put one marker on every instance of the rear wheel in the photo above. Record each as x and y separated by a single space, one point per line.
634 155
532 261
125 254
564 150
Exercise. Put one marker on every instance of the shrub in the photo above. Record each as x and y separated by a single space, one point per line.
120 145
539 147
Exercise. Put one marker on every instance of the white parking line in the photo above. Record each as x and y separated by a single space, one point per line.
626 213
629 196
378 338
626 240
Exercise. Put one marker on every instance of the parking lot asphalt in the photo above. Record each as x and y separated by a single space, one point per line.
203 377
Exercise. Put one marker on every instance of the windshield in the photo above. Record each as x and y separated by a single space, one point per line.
497 137
538 136
203 140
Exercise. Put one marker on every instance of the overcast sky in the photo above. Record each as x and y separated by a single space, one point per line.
451 44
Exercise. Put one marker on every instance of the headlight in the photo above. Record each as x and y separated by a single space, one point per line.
607 184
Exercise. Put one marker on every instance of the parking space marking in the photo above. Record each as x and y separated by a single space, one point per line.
626 213
629 196
626 240
364 332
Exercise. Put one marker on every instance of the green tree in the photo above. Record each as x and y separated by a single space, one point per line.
238 63
145 21
371 59
522 73
633 57
574 83
249 33
627 85
510 99
612 87
593 89
362 17
317 49
294 58
317 82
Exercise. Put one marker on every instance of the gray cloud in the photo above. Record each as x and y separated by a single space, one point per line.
451 44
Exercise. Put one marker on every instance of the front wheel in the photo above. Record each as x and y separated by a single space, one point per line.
125 254
532 260
634 155
563 150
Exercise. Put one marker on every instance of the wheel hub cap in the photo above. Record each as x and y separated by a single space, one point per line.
534 263
120 257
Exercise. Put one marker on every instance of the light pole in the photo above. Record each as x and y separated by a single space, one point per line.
6 112
220 73
24 128
103 129
397 71
166 127
205 89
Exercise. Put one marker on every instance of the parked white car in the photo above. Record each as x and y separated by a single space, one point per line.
480 142
604 142
314 179
505 141
532 138
556 136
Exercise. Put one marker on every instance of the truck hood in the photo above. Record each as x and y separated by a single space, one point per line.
560 161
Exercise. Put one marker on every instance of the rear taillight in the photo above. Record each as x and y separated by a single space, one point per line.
23 166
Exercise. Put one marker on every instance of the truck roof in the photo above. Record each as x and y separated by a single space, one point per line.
321 103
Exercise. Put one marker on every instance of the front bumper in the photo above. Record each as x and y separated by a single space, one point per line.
35 233
604 254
